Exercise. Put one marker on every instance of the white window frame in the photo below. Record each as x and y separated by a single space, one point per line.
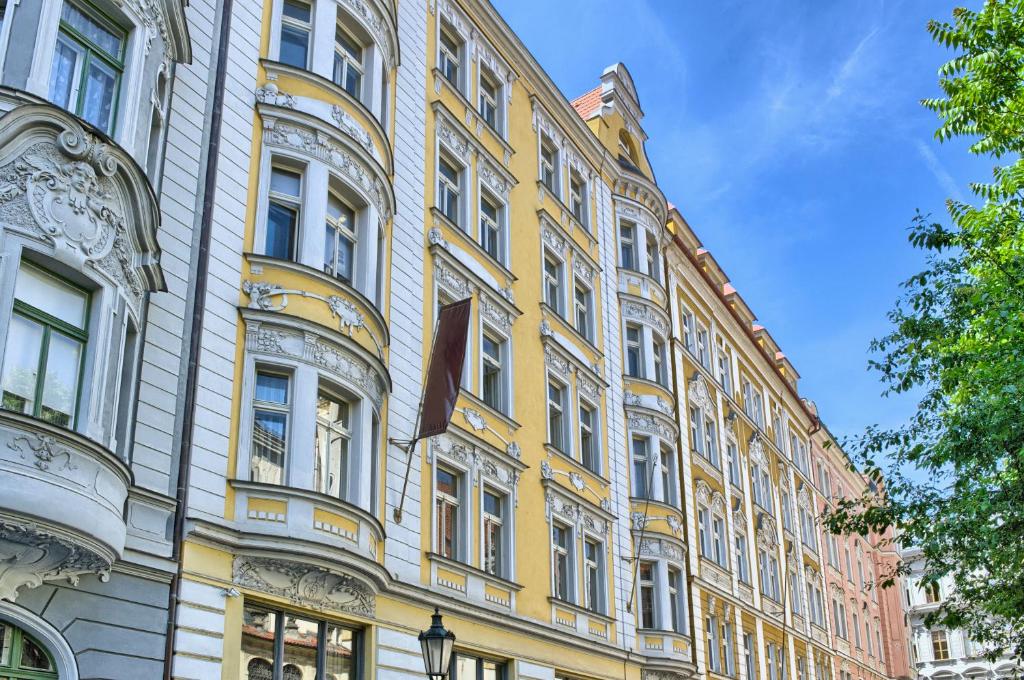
587 308
599 570
484 74
579 198
594 435
462 537
497 224
550 169
503 522
563 405
504 367
444 53
445 186
569 551
554 286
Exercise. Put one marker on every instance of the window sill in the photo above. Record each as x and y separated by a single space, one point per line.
479 403
552 313
449 563
665 389
467 240
580 467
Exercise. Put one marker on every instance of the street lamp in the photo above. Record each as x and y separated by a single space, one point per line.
436 643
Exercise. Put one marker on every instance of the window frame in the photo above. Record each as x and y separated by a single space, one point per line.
444 499
586 306
452 54
594 569
451 192
359 638
502 566
485 74
503 343
347 59
495 225
566 552
564 430
290 202
308 27
554 282
593 434
548 169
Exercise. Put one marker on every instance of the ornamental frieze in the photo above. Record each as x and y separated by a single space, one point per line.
31 554
305 584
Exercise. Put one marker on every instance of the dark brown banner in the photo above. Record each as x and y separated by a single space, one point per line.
445 372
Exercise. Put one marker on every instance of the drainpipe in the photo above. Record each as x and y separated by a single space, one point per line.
196 331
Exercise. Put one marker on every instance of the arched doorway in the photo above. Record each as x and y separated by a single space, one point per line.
22 657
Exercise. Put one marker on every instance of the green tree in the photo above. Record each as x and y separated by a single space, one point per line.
957 340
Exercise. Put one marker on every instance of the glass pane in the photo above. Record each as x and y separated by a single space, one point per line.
21 364
332 439
272 388
49 294
300 648
285 182
343 268
268 444
60 386
465 668
339 653
5 645
446 483
349 45
33 656
102 37
352 82
492 504
281 222
294 46
297 10
258 630
62 76
98 101
492 671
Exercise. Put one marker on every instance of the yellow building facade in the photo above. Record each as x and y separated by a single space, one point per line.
626 489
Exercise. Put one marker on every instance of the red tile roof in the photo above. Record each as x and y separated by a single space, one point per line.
587 104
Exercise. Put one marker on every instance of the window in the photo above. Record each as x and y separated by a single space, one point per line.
448 500
554 287
584 316
577 197
333 434
634 353
339 239
549 164
878 641
703 348
466 667
714 644
296 28
704 530
557 420
647 595
491 232
282 645
867 635
839 617
561 550
689 334
88 62
833 550
494 514
660 372
493 359
849 564
348 62
787 511
627 245
283 214
718 540
931 593
762 483
489 97
734 463
724 368
270 427
641 467
742 561
696 430
856 629
449 189
728 654
795 591
450 57
45 349
668 476
711 443
588 441
769 573
675 600
653 259
807 529
753 403
593 579
748 655
21 656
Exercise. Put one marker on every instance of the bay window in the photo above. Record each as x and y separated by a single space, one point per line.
448 508
333 437
349 64
627 246
648 595
44 355
88 64
641 467
634 352
271 411
653 258
296 32
284 201
677 603
339 238
668 475
660 364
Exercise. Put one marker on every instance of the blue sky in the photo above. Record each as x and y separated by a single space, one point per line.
790 136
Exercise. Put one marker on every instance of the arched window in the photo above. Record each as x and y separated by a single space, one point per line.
260 669
22 656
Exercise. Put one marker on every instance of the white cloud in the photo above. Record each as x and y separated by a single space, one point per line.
938 171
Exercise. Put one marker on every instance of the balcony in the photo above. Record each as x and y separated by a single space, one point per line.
62 508
665 644
300 520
